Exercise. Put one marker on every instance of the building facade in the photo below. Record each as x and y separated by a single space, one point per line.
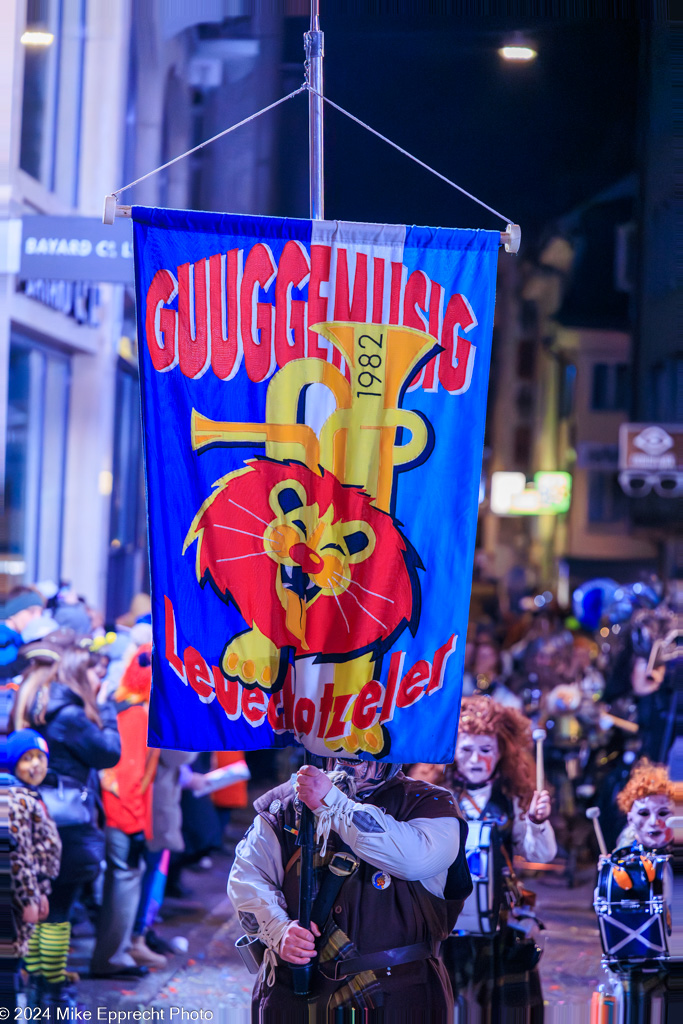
61 130
95 96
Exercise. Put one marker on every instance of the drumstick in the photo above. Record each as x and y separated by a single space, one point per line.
621 723
594 813
538 735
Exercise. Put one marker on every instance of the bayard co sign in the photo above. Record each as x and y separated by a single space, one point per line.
76 249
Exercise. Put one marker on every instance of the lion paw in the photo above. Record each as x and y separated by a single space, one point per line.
370 741
253 660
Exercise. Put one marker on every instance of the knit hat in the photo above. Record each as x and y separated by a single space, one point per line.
20 742
26 599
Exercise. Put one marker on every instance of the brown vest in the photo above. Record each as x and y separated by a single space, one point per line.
374 918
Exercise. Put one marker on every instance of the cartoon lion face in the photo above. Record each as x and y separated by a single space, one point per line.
309 562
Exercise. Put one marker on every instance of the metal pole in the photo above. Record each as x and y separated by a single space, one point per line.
302 977
314 46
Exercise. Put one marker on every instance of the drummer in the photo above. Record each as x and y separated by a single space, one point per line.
647 800
493 778
494 774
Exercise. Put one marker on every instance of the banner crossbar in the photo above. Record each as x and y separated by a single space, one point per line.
511 237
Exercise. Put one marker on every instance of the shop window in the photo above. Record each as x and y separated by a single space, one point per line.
37 411
663 400
528 315
525 401
567 390
607 503
522 445
128 571
611 387
526 359
52 96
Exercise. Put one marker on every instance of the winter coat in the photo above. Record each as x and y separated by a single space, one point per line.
35 851
167 819
77 744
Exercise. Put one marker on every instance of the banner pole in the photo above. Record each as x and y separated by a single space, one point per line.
302 977
314 46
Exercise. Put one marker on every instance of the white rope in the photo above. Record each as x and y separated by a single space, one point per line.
332 816
508 220
269 963
306 87
252 117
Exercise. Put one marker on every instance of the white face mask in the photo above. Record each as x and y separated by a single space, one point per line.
476 757
648 817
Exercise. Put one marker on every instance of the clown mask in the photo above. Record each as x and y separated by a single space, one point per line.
476 757
647 818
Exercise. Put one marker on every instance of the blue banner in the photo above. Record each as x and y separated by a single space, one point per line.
313 398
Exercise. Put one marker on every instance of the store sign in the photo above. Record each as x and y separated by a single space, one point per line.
650 446
549 494
76 249
651 459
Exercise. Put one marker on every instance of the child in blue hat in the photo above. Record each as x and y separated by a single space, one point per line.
26 757
35 847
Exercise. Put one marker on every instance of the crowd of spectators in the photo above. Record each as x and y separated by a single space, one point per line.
118 820
93 820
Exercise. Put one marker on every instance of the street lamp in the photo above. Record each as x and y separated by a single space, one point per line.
518 49
35 37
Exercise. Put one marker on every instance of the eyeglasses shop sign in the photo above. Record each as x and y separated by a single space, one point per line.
76 249
651 459
652 447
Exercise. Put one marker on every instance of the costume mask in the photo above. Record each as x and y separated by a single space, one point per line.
364 775
31 767
647 818
476 757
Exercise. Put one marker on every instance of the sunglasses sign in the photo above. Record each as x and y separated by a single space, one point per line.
314 397
651 459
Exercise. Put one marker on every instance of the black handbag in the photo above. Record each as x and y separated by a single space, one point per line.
68 803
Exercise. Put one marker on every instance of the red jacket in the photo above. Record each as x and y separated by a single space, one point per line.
127 788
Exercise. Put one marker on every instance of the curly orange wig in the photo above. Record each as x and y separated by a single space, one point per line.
646 779
483 716
136 681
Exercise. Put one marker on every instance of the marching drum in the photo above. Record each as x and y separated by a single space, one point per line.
479 915
632 901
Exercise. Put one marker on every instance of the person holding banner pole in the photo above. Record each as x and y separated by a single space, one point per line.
390 877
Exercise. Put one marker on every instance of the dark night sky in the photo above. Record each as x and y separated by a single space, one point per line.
531 140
